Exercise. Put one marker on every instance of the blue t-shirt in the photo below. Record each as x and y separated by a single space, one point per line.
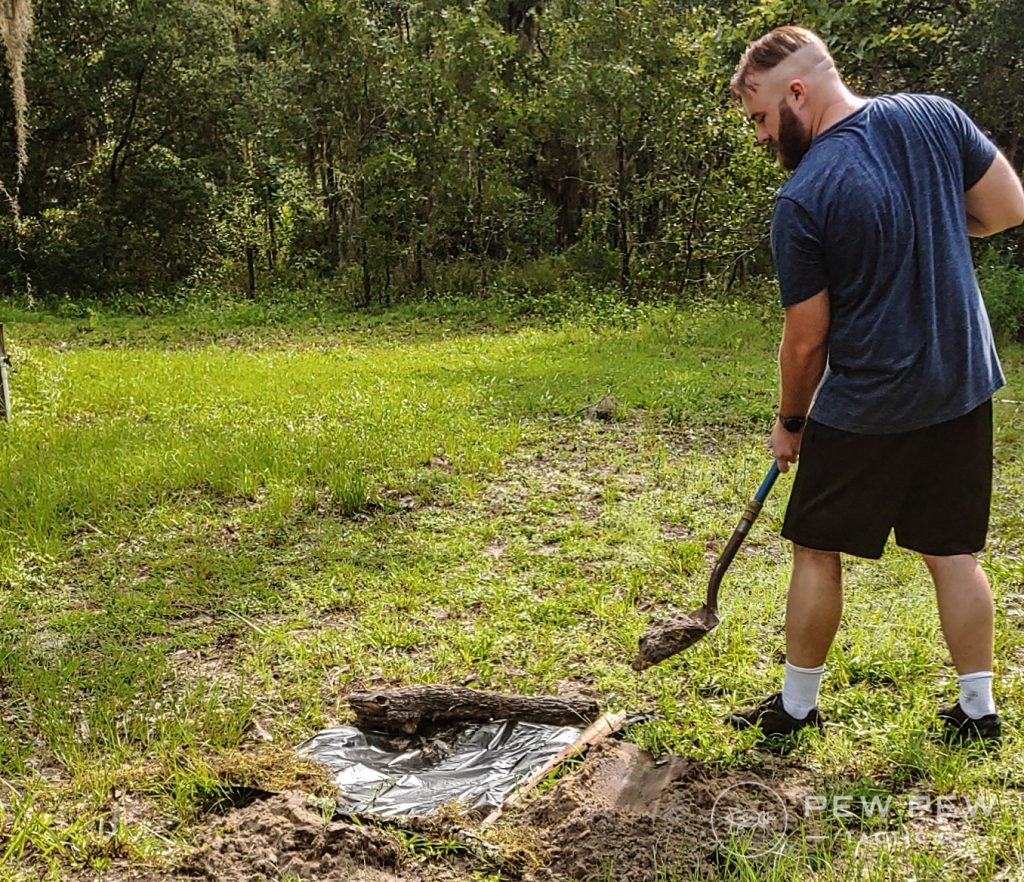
875 213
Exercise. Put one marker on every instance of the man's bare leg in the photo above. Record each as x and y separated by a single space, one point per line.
814 606
966 611
967 616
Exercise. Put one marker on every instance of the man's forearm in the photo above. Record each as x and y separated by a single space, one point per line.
800 370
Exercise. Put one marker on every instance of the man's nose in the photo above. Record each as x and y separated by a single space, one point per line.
762 135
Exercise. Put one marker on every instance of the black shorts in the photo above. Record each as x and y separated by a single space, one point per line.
932 485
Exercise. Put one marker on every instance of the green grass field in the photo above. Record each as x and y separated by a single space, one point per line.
212 530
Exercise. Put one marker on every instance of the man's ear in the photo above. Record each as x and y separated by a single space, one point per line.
797 92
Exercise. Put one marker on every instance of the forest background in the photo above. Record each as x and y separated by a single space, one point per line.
360 153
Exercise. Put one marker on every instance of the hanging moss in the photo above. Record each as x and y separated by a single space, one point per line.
15 29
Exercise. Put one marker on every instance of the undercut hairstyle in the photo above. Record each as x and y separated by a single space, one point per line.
770 50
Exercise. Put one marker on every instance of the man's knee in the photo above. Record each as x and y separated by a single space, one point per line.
942 563
815 556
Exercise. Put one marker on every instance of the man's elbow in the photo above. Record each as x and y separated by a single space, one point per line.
1015 210
1013 217
996 202
1018 217
804 352
980 228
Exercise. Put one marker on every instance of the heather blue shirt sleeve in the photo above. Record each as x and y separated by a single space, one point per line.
798 253
976 150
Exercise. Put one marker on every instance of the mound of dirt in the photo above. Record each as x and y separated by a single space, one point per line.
623 815
286 835
628 816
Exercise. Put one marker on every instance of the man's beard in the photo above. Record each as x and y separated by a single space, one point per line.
794 139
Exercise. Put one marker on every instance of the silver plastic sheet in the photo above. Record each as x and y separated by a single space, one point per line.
477 765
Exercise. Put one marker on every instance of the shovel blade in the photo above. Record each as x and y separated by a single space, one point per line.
665 638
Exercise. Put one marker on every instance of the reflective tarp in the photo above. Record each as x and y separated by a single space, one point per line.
478 764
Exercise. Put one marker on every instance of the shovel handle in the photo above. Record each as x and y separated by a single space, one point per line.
767 483
738 535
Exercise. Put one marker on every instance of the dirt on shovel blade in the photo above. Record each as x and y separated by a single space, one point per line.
674 634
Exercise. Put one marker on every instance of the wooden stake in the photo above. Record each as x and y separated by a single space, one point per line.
595 733
5 392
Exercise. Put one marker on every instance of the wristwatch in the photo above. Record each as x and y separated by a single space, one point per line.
793 424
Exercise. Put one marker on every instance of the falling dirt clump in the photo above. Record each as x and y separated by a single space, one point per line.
286 835
630 816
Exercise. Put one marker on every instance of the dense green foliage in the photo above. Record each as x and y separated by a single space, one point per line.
383 146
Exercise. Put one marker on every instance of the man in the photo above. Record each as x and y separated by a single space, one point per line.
886 335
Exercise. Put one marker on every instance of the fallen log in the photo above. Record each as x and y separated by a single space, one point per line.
405 709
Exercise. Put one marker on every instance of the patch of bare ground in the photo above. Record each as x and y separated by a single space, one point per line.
628 816
288 836
622 815
577 466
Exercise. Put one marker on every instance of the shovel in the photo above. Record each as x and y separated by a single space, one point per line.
674 634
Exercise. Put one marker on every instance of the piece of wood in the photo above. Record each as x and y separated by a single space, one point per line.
602 728
5 392
407 708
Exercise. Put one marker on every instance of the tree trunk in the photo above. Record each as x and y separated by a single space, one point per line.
271 230
691 228
331 193
311 163
364 248
622 211
117 158
250 263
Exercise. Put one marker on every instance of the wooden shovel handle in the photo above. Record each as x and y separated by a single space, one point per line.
738 535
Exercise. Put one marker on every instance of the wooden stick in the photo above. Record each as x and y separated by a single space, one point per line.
595 733
5 392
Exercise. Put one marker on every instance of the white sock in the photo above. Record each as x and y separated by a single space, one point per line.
800 690
976 694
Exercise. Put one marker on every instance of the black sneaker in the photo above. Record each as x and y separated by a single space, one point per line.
771 716
960 728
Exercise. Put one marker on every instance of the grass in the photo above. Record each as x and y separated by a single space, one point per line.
212 531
